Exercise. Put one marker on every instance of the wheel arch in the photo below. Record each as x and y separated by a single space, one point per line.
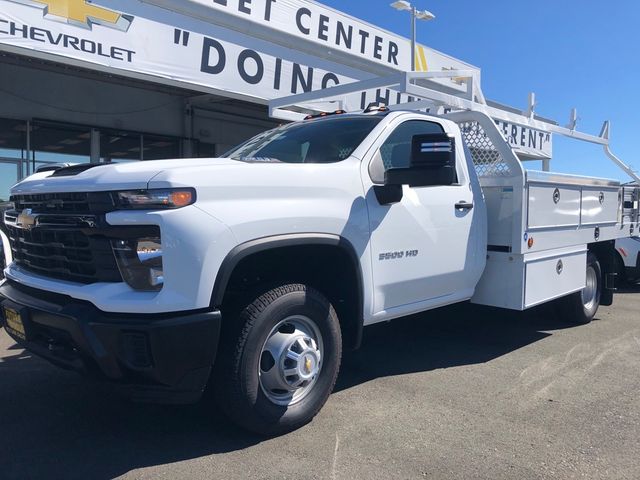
255 249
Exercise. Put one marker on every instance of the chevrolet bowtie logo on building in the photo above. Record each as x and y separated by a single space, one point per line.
80 13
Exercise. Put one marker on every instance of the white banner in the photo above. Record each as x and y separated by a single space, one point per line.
310 21
527 141
325 27
131 36
257 55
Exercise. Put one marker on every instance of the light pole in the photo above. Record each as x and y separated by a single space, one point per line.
415 15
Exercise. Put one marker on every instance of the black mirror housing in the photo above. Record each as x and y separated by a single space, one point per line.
433 150
433 162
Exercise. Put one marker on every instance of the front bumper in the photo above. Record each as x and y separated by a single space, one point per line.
156 358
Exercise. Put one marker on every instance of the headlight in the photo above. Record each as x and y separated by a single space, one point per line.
154 199
140 262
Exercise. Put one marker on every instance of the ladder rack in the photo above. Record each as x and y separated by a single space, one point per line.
426 90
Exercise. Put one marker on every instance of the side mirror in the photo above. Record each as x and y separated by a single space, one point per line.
432 162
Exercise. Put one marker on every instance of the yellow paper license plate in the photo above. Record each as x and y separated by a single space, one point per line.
14 323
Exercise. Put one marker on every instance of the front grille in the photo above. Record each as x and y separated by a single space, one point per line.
64 254
65 203
60 242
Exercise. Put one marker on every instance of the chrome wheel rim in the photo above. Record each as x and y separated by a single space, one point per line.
590 291
291 360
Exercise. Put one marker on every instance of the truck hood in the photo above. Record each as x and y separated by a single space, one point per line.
108 177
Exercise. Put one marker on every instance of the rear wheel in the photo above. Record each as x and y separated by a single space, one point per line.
581 307
281 363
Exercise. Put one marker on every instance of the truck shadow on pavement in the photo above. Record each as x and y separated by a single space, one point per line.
629 288
54 424
459 335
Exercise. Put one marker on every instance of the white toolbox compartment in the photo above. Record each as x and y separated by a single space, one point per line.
519 282
552 206
553 276
600 206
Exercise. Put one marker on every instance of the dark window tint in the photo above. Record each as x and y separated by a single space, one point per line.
396 150
13 157
327 140
161 148
13 139
116 147
59 143
206 150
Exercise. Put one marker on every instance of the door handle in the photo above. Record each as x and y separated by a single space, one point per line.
462 205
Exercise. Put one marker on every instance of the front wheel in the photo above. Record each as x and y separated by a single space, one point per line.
581 307
281 363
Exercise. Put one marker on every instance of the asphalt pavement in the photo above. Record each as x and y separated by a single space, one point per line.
464 392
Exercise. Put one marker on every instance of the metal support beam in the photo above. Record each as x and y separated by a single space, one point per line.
27 171
606 131
276 106
573 120
413 39
95 146
531 111
187 144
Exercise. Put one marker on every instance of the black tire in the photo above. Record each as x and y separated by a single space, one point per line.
573 307
239 389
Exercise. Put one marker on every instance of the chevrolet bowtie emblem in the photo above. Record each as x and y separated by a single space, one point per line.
80 13
27 220
307 365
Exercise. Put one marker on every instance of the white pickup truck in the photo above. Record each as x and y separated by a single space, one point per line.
252 272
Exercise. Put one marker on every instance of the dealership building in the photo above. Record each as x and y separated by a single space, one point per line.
116 81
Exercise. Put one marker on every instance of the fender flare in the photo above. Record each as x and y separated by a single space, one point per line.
238 253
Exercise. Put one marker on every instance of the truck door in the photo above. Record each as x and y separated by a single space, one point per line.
425 247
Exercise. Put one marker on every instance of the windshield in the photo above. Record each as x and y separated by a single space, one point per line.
326 140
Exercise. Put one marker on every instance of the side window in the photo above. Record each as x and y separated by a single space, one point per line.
396 150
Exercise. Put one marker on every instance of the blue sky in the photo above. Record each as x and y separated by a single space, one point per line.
571 53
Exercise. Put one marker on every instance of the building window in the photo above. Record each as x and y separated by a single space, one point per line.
13 154
206 150
23 152
13 139
161 148
58 143
117 147
9 174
